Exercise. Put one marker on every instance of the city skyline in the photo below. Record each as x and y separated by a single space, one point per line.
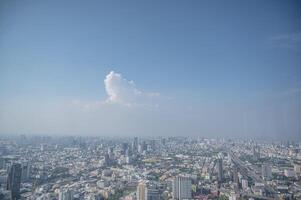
199 68
158 168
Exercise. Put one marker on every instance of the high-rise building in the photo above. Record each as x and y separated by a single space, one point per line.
14 180
141 191
181 188
220 173
135 145
266 172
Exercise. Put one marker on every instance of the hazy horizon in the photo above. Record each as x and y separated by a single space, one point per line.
129 68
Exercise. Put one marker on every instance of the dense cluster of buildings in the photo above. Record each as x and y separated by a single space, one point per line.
92 168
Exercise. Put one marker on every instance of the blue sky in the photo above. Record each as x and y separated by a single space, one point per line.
203 58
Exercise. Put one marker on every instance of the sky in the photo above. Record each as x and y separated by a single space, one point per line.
151 68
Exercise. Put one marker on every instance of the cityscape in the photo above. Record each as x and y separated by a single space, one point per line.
94 168
150 100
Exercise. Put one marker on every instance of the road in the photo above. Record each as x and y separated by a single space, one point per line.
250 173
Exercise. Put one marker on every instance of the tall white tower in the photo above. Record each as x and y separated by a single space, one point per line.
181 188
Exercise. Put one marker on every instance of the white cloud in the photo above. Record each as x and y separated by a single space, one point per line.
125 92
121 92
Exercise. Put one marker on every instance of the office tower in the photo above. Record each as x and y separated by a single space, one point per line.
66 194
220 170
266 172
14 180
141 191
181 188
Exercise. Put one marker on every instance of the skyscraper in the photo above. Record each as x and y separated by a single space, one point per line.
14 180
135 145
181 188
220 170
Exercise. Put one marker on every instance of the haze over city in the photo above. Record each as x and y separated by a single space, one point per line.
150 100
158 68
